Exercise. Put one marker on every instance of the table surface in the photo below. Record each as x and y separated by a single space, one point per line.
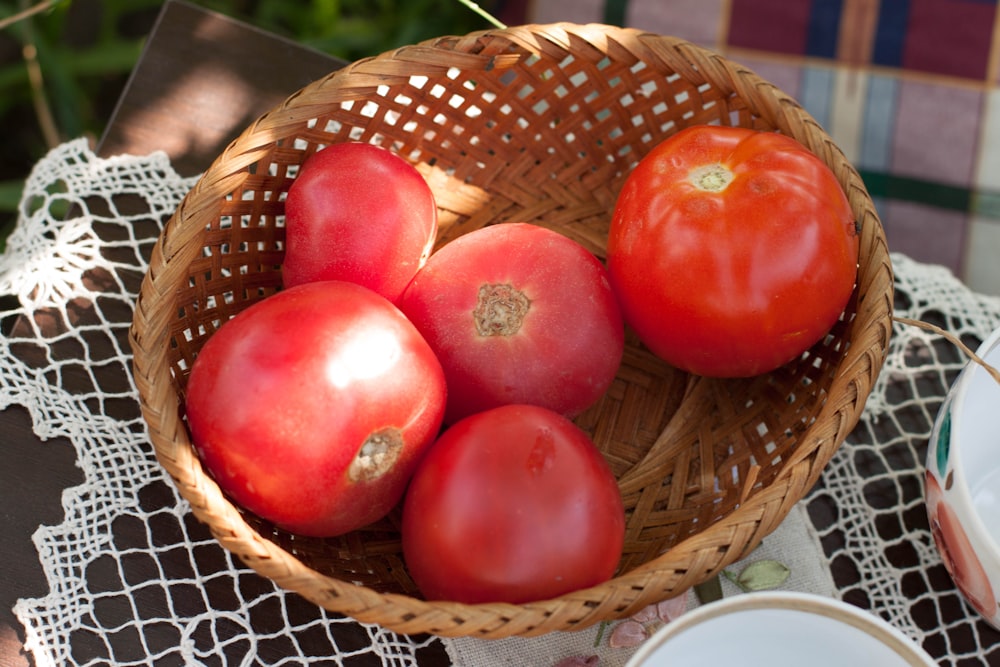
201 79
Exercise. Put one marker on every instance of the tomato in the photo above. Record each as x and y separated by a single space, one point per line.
360 213
311 407
731 251
518 314
512 505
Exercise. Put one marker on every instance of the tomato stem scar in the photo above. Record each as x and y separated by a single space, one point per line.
711 178
500 310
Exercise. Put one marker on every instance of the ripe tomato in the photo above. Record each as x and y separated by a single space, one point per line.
512 505
311 407
518 314
731 251
360 213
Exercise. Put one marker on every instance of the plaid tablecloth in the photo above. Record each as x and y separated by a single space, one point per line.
908 89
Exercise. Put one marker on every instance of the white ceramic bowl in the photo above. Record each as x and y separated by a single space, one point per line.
963 482
779 629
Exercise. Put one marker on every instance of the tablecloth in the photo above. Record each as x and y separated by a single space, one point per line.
76 259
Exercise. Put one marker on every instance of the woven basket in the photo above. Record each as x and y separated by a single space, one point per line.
539 123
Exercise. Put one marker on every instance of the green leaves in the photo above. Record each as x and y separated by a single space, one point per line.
761 575
84 55
353 29
709 591
10 196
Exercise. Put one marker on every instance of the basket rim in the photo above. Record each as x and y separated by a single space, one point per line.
485 50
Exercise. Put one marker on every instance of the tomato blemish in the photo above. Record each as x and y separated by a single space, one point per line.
711 178
541 456
500 310
376 456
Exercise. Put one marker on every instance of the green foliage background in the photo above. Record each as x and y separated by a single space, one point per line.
86 49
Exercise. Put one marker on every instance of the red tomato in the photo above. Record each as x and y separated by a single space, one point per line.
311 407
731 251
512 505
358 212
518 314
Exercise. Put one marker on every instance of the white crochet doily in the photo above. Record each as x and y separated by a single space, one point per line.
77 258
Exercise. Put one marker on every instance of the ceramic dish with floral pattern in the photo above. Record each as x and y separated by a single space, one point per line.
780 629
963 482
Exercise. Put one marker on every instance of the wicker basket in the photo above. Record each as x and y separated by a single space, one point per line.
538 123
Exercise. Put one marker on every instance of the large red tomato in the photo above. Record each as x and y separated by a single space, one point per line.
731 251
360 213
518 314
512 505
311 407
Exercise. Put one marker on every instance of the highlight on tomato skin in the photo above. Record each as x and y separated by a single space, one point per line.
513 504
731 251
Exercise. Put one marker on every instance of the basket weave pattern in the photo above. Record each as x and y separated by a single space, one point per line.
537 123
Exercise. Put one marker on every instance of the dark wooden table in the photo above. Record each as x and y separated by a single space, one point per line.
202 78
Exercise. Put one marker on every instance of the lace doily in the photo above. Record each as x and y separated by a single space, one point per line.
869 505
77 259
75 262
